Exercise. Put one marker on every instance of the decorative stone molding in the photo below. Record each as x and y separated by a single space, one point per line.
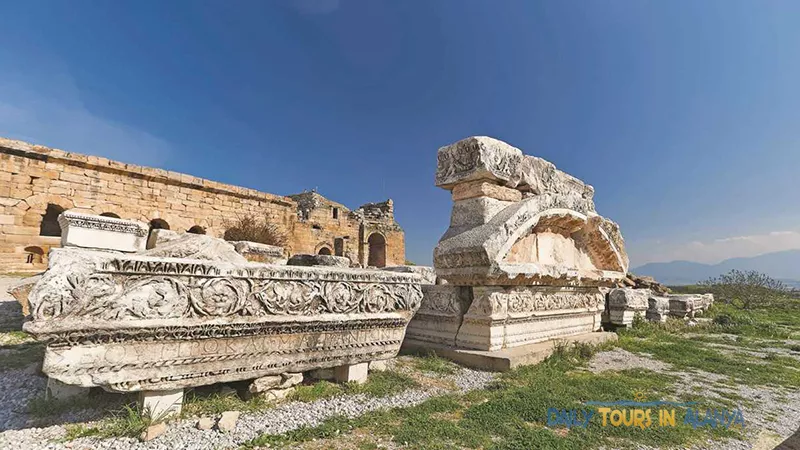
90 231
131 323
257 252
657 309
478 158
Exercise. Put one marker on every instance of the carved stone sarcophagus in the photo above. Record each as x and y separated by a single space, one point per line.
144 323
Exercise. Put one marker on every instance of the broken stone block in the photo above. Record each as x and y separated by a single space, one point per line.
478 158
657 309
476 189
356 373
625 303
278 394
683 305
263 384
290 379
159 405
205 423
197 246
227 422
153 431
318 260
160 236
100 232
378 366
258 252
427 273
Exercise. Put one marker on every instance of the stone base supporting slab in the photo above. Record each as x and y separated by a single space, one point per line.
352 372
57 390
505 359
159 405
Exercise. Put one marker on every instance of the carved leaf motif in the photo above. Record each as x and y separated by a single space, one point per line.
377 298
150 298
292 297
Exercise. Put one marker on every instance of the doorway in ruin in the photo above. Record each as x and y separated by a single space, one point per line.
338 246
324 251
377 250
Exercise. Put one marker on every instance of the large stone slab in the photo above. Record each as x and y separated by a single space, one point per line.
90 231
138 323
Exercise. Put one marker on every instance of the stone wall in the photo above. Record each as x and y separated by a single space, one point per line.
38 183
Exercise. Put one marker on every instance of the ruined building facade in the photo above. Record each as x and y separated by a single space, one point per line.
38 183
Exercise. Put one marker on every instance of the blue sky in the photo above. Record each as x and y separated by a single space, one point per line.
684 115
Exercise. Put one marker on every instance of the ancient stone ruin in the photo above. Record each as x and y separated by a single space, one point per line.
525 256
193 311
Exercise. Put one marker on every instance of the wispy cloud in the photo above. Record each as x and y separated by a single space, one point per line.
63 121
714 250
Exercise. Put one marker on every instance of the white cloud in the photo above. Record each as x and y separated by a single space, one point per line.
715 250
64 122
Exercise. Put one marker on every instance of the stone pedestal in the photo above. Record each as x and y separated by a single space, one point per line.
90 231
352 372
57 390
159 405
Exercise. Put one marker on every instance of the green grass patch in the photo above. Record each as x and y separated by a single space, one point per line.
430 362
125 422
379 384
200 404
512 414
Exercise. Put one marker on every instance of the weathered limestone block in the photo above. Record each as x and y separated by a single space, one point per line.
257 252
160 236
657 309
625 303
161 404
57 390
427 273
356 373
683 305
133 323
90 231
198 247
478 158
440 315
318 260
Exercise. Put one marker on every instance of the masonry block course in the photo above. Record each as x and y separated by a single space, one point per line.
37 183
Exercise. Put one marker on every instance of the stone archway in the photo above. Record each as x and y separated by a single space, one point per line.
197 229
324 251
377 250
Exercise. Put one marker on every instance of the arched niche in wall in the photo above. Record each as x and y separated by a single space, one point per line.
49 225
110 214
377 250
197 229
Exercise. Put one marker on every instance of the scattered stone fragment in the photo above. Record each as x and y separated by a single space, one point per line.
205 423
153 431
278 394
264 384
227 422
290 379
377 366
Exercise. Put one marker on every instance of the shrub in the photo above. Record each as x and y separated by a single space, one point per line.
254 229
745 289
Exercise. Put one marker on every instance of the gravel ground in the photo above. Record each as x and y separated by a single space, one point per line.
773 416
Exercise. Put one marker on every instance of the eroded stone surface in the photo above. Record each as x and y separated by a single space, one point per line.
318 260
197 246
258 252
427 273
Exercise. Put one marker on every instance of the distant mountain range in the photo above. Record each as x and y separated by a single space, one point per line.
784 266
